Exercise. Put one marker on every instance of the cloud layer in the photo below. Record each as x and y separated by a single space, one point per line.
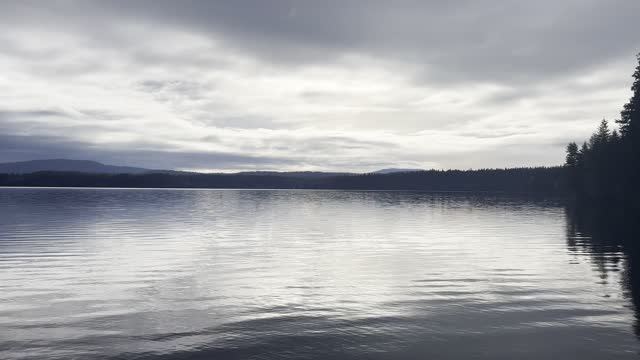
293 85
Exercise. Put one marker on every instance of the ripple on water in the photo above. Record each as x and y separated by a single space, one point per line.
200 274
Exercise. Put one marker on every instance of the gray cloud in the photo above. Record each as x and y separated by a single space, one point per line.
21 148
452 40
335 85
27 114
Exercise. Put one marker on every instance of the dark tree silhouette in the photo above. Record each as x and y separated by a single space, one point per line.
607 167
520 180
572 155
601 137
630 115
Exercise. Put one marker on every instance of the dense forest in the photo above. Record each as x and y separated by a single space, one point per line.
521 180
606 168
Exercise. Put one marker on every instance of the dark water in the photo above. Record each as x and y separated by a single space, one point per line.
219 274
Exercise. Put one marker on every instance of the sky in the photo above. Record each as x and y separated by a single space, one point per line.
311 85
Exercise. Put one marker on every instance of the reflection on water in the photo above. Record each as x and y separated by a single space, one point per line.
202 274
610 240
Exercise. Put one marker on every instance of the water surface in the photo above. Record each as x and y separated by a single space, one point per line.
258 274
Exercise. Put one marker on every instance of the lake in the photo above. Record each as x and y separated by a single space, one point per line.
260 274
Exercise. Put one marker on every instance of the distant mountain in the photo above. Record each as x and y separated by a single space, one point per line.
394 170
88 166
85 166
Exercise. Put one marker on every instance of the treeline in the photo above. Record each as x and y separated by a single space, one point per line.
547 180
606 168
543 180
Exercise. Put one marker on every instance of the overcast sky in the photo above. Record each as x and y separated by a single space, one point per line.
311 85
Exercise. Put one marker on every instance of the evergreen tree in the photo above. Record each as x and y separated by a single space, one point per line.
630 153
630 114
603 133
583 155
615 137
572 155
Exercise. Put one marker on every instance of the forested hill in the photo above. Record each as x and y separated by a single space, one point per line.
88 166
544 180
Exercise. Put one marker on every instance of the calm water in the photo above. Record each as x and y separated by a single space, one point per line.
222 274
